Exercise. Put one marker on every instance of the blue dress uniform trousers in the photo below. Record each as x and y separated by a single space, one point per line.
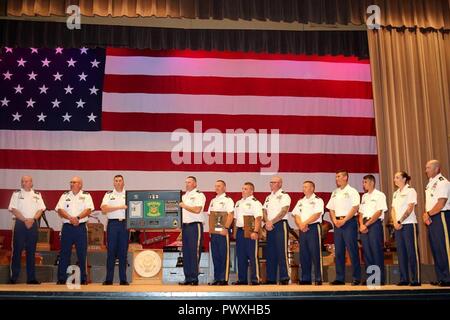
346 237
73 235
438 234
311 253
277 252
192 237
220 252
117 240
24 238
408 252
373 244
246 251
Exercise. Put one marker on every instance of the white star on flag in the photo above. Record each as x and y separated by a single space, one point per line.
32 75
71 62
91 117
84 50
95 63
34 50
21 62
57 76
59 50
43 89
93 90
45 63
4 102
56 103
8 50
30 103
66 117
80 103
41 117
7 75
18 89
16 116
83 76
68 89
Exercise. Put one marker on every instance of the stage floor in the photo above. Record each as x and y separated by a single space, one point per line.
266 292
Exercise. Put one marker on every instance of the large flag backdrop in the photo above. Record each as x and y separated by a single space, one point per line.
96 113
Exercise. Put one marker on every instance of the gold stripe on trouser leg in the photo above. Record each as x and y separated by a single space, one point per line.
256 260
447 244
227 261
199 237
12 248
319 233
286 248
417 252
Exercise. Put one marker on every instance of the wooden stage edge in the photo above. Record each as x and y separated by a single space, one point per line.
47 291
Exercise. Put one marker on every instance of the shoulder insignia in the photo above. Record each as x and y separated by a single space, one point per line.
198 191
85 192
283 192
67 192
254 199
36 192
227 196
108 192
17 191
441 178
317 197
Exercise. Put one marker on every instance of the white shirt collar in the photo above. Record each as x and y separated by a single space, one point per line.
311 197
280 191
117 192
223 195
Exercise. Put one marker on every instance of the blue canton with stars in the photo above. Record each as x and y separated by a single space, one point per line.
51 89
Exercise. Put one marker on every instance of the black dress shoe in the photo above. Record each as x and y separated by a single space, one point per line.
107 283
356 283
33 282
124 283
239 283
270 282
255 283
185 283
214 283
304 283
194 283
84 283
435 283
318 283
284 282
444 284
415 284
337 283
222 283
12 281
61 282
403 284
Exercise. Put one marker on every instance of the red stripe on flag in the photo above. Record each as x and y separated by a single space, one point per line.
237 86
162 161
231 55
114 121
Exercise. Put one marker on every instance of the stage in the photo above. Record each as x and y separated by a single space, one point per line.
47 291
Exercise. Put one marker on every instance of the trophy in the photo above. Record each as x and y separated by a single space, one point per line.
217 220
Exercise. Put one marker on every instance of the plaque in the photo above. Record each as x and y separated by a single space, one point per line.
43 242
96 237
147 266
154 209
249 226
217 220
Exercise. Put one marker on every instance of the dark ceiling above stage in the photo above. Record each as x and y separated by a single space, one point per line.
53 34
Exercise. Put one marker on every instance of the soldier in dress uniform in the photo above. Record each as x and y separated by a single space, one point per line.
74 208
406 232
193 202
343 206
308 216
27 206
275 209
371 217
113 205
437 217
220 242
247 248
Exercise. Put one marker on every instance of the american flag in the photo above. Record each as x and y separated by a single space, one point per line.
118 108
